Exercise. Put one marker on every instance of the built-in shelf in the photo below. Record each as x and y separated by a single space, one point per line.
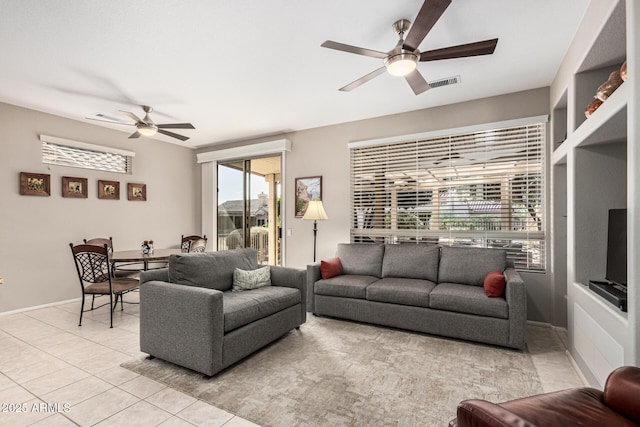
601 304
593 172
607 124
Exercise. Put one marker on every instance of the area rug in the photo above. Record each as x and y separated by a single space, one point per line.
338 373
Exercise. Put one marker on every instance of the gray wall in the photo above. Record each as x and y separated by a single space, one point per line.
35 259
323 151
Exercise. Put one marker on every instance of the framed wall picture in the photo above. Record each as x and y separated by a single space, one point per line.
307 188
35 184
109 190
74 187
137 192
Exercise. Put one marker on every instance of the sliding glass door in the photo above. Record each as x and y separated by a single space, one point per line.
249 207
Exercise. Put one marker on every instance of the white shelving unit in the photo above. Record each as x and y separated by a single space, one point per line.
595 166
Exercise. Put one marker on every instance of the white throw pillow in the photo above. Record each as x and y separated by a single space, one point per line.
244 280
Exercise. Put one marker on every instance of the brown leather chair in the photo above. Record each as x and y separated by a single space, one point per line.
617 405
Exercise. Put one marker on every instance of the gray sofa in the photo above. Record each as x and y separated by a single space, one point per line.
190 316
431 289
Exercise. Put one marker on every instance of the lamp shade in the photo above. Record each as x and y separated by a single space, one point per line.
315 211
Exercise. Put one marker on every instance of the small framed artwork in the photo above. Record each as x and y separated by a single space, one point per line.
307 188
35 184
109 190
137 192
74 187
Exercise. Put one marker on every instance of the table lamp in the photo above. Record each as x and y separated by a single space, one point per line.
315 211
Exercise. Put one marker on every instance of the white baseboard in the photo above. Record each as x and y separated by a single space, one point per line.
539 324
578 370
37 307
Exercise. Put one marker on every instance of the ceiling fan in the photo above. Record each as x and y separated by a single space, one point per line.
146 126
402 60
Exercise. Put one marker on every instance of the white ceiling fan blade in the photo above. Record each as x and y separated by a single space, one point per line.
133 116
106 119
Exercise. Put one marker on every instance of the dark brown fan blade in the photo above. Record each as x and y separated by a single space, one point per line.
353 49
176 126
362 80
485 47
173 135
136 134
429 14
417 82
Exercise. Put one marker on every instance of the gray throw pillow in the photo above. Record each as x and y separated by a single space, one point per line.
244 280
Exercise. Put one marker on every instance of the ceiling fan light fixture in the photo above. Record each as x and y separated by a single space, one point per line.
149 130
401 64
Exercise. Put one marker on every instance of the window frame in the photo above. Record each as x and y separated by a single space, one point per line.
522 233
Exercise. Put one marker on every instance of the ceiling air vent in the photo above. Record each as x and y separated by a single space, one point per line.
445 82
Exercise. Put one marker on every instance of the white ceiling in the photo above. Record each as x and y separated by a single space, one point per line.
247 68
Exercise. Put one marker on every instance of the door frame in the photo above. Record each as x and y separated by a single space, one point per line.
209 176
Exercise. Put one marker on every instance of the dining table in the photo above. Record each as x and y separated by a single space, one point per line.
137 257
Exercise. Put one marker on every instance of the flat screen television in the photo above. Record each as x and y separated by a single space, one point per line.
617 247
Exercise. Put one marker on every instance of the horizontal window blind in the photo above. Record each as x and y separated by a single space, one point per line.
483 188
64 155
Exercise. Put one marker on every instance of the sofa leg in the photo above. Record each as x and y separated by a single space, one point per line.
297 327
150 357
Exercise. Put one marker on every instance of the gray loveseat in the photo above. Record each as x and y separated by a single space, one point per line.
190 316
431 289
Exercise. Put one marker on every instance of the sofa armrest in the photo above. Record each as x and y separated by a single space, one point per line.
182 324
313 275
161 274
291 278
480 413
621 392
516 295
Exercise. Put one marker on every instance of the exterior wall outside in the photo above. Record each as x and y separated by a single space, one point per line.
35 232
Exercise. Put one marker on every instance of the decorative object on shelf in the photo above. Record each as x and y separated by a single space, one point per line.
307 189
591 108
74 187
137 192
109 190
35 184
315 212
607 88
623 71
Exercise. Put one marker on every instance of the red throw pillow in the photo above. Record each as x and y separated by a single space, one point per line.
331 268
494 284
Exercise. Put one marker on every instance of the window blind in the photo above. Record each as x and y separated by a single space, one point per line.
64 155
483 188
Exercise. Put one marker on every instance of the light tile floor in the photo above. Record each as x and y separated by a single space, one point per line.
54 373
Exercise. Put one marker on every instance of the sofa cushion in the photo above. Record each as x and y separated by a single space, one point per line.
361 258
467 299
245 280
242 308
346 286
412 261
469 266
401 291
213 270
330 268
494 284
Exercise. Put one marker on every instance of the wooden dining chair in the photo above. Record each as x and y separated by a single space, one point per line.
193 243
96 278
